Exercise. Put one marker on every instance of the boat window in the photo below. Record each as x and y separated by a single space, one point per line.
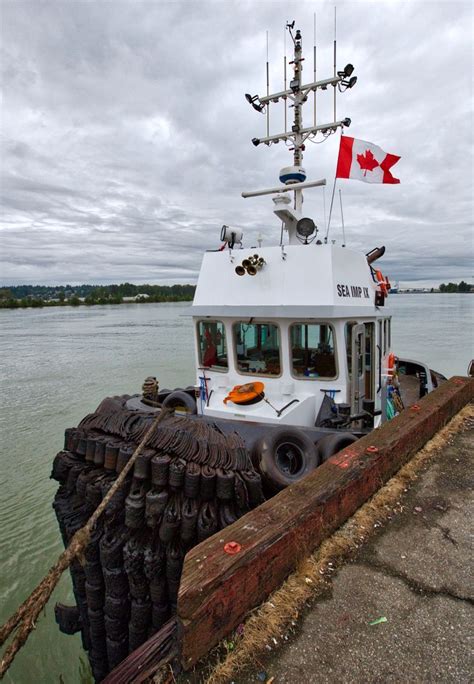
313 350
212 345
258 348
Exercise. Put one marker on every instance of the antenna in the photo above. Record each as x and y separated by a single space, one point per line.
330 212
314 70
268 92
324 205
284 80
334 60
342 219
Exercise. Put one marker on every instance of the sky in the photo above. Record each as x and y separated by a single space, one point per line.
126 137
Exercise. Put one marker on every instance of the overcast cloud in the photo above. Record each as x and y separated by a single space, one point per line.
126 137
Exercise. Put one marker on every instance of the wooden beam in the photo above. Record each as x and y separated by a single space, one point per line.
140 666
218 590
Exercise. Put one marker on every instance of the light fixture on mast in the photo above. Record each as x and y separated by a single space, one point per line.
255 102
348 71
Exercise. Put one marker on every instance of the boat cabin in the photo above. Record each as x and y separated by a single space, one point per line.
305 324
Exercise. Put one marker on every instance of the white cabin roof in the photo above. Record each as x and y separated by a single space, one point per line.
298 281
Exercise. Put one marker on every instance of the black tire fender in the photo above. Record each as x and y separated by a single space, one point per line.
284 456
329 445
180 398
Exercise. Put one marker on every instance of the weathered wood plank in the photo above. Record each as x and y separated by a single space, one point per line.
142 664
217 590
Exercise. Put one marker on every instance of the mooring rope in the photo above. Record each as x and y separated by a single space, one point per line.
29 610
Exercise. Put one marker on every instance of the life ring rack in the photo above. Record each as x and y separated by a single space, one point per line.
247 394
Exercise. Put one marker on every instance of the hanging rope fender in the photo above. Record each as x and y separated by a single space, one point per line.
29 610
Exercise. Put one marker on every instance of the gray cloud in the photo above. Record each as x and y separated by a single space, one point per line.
126 138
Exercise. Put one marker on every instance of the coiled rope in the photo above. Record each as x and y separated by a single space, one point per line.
27 614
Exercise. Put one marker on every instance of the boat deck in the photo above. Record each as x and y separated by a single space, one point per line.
409 389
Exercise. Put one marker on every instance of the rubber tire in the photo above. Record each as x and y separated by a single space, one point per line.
207 487
253 483
225 484
159 470
189 515
192 478
207 521
265 455
116 650
329 445
68 618
180 398
116 583
95 596
176 474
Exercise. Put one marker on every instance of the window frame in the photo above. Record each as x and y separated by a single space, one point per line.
212 369
386 335
290 350
373 358
234 348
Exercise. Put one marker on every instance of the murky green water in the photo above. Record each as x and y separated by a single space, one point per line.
57 364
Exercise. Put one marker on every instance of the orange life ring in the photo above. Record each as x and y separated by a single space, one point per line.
382 282
244 394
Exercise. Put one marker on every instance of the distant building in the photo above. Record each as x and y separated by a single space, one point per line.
136 297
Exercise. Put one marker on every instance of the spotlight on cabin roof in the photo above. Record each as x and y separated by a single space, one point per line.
305 227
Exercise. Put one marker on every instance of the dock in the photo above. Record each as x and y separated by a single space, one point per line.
401 608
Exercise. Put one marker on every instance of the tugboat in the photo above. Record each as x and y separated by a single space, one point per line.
294 362
296 336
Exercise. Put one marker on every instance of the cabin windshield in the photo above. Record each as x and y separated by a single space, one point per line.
313 353
212 345
258 348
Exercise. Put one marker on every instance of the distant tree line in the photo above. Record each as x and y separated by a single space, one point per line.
24 296
455 287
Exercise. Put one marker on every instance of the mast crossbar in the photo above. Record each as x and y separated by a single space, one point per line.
285 188
304 88
290 135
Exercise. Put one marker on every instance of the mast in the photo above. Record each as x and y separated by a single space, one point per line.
298 93
295 85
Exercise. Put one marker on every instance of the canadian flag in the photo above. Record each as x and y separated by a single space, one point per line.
364 161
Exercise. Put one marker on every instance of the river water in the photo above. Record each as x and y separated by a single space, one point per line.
57 364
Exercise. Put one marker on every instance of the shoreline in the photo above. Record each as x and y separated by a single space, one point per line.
75 305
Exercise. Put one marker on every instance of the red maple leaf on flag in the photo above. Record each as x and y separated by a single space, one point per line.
367 161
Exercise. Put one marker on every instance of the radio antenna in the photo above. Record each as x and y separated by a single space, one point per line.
268 91
335 62
284 79
324 206
342 219
314 70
